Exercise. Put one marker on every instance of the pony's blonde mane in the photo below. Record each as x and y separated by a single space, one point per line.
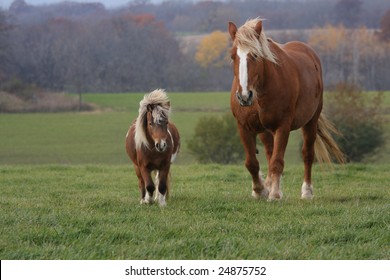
248 40
159 102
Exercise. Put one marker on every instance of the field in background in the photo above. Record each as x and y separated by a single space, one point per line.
98 137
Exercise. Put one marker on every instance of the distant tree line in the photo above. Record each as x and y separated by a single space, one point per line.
86 48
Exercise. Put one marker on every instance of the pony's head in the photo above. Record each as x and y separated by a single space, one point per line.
151 126
250 48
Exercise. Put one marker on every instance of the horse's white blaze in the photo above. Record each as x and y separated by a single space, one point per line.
307 190
243 71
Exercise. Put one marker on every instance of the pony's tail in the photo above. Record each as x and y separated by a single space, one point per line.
325 146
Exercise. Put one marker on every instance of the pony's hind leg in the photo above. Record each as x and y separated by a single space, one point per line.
252 164
309 136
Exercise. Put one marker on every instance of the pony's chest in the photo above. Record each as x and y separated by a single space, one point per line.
154 160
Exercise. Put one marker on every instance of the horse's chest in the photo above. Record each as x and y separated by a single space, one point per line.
248 118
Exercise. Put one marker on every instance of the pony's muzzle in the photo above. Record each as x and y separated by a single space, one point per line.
161 145
245 100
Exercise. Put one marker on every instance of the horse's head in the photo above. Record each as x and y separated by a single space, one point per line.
157 127
250 47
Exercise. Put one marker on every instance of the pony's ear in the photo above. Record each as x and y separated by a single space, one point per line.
259 27
169 104
232 30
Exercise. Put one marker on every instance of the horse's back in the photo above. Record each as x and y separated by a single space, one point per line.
309 74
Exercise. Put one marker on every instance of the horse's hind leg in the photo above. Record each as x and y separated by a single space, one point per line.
252 164
309 136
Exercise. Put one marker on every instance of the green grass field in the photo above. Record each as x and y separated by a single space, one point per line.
93 212
68 191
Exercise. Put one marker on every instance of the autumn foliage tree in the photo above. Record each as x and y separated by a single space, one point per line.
354 56
212 50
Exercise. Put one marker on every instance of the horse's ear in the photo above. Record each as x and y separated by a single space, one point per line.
232 30
169 104
259 27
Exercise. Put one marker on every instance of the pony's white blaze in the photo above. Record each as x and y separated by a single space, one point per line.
243 71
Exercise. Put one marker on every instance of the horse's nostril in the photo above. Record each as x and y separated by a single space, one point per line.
157 146
250 94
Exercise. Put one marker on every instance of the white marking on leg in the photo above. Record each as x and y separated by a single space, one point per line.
161 199
264 191
148 198
243 71
276 192
307 191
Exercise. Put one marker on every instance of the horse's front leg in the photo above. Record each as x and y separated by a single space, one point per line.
149 186
248 138
277 162
267 139
162 181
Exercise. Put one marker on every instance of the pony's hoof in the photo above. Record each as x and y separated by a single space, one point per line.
307 191
161 200
275 196
263 193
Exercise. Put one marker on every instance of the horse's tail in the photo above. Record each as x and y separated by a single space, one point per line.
325 146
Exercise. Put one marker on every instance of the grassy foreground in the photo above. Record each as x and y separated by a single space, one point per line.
93 212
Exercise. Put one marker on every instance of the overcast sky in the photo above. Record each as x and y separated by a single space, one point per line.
108 3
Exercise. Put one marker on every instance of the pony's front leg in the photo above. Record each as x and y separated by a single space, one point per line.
149 186
252 164
162 186
277 162
141 183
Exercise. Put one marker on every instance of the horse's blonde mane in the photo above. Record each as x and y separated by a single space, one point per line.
248 40
159 101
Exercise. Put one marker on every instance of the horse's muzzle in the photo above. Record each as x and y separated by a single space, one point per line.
161 146
245 101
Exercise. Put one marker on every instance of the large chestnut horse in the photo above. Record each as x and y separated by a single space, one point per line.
152 143
278 88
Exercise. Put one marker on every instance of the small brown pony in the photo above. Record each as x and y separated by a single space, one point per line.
276 89
152 143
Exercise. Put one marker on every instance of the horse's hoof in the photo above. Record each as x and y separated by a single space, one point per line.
263 193
275 196
307 191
